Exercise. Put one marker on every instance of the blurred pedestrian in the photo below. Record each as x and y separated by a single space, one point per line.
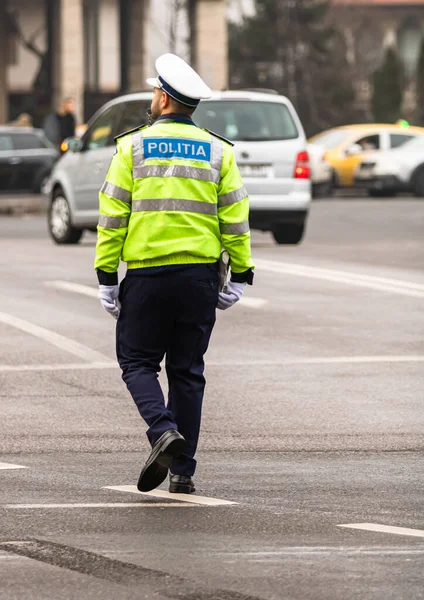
61 124
172 199
22 120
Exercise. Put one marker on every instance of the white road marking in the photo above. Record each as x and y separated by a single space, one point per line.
189 498
385 529
383 284
99 505
19 543
87 290
59 367
55 339
322 360
260 556
330 360
8 466
250 302
77 288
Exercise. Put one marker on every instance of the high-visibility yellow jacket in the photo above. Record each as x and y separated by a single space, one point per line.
173 195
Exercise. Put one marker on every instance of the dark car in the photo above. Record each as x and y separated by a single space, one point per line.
26 159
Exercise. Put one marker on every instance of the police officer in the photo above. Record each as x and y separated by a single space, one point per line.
173 197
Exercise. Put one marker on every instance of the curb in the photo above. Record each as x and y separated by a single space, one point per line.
23 204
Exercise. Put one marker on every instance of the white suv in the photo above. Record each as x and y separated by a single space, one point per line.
270 148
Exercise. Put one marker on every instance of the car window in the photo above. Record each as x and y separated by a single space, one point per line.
331 139
134 114
26 141
247 120
99 135
416 143
398 139
5 143
369 142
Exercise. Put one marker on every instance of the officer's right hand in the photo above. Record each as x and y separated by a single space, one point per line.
108 296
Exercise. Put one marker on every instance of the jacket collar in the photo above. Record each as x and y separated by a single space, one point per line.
175 118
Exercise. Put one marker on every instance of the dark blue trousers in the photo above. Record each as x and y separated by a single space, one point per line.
168 311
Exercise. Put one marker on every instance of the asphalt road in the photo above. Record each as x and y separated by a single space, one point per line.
313 419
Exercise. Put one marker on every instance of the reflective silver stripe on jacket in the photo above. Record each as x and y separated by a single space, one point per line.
137 150
217 154
176 171
234 228
113 222
174 204
233 197
116 192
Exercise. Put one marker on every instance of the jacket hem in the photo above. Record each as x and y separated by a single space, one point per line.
175 259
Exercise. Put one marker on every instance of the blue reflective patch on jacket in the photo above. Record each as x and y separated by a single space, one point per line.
169 148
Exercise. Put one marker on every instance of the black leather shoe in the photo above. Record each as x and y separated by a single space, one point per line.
180 484
170 445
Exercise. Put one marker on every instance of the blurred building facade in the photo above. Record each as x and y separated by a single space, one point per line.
369 27
93 50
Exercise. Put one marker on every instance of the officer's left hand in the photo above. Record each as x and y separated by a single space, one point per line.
108 296
232 294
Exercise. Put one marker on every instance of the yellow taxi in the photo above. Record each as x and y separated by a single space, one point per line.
347 146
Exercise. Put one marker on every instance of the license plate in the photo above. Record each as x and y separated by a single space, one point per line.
256 170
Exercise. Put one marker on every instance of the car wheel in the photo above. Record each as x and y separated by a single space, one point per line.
418 185
381 193
60 226
323 190
288 233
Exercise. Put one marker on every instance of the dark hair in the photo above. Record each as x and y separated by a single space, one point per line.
183 109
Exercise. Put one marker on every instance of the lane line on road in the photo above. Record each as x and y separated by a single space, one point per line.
60 341
269 555
8 466
100 505
86 290
385 529
331 360
383 284
324 360
77 288
252 302
350 274
189 498
59 367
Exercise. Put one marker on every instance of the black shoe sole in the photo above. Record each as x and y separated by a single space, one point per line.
155 473
178 488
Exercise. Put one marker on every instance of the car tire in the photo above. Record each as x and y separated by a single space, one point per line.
59 221
381 193
418 183
288 233
323 190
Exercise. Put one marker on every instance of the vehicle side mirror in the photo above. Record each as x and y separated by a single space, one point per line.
72 144
354 149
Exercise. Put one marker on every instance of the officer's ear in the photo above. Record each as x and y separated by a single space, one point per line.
165 100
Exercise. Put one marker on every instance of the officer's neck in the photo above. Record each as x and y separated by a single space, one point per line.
174 116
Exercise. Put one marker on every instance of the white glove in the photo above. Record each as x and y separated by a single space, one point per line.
108 296
231 294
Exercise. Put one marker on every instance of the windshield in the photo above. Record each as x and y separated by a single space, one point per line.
331 139
247 121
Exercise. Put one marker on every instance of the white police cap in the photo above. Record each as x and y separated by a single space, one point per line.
179 80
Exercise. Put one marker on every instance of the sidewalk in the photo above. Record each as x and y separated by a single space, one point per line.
16 204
